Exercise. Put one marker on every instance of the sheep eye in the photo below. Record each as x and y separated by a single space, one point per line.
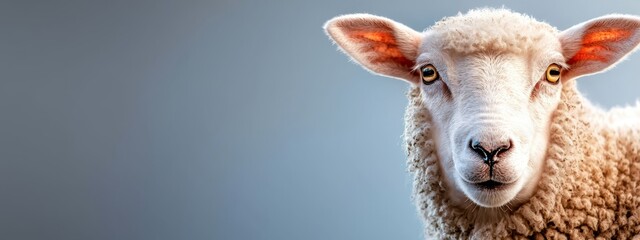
553 73
429 74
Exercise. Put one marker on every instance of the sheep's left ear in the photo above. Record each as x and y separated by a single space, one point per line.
598 44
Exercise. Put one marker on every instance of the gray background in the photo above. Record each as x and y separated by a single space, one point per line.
215 119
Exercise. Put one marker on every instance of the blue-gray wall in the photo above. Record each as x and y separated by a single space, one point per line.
215 119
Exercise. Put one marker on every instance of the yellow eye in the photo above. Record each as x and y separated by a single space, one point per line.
553 73
429 74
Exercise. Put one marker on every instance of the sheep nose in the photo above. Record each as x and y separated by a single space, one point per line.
489 155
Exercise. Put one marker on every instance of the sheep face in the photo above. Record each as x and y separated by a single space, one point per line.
491 112
490 80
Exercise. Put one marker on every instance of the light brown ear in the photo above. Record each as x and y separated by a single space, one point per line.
380 45
598 44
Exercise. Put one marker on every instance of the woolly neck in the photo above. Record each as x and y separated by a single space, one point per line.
542 212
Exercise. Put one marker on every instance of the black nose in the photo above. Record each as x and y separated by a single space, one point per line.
489 156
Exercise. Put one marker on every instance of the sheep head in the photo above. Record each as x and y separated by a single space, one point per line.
490 80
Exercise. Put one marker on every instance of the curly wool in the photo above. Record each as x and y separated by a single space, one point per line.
589 187
477 31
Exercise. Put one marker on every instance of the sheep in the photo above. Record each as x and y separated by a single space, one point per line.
500 142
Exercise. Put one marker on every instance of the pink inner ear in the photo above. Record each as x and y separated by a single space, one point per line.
595 44
375 36
384 45
609 35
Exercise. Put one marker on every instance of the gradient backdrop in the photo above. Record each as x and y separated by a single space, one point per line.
216 119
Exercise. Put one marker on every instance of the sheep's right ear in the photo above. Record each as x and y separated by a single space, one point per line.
379 44
598 44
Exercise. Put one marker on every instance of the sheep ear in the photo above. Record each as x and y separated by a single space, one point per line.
380 45
598 44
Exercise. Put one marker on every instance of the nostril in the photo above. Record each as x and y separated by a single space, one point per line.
502 148
489 155
477 148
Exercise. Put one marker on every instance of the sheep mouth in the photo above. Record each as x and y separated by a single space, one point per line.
492 185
